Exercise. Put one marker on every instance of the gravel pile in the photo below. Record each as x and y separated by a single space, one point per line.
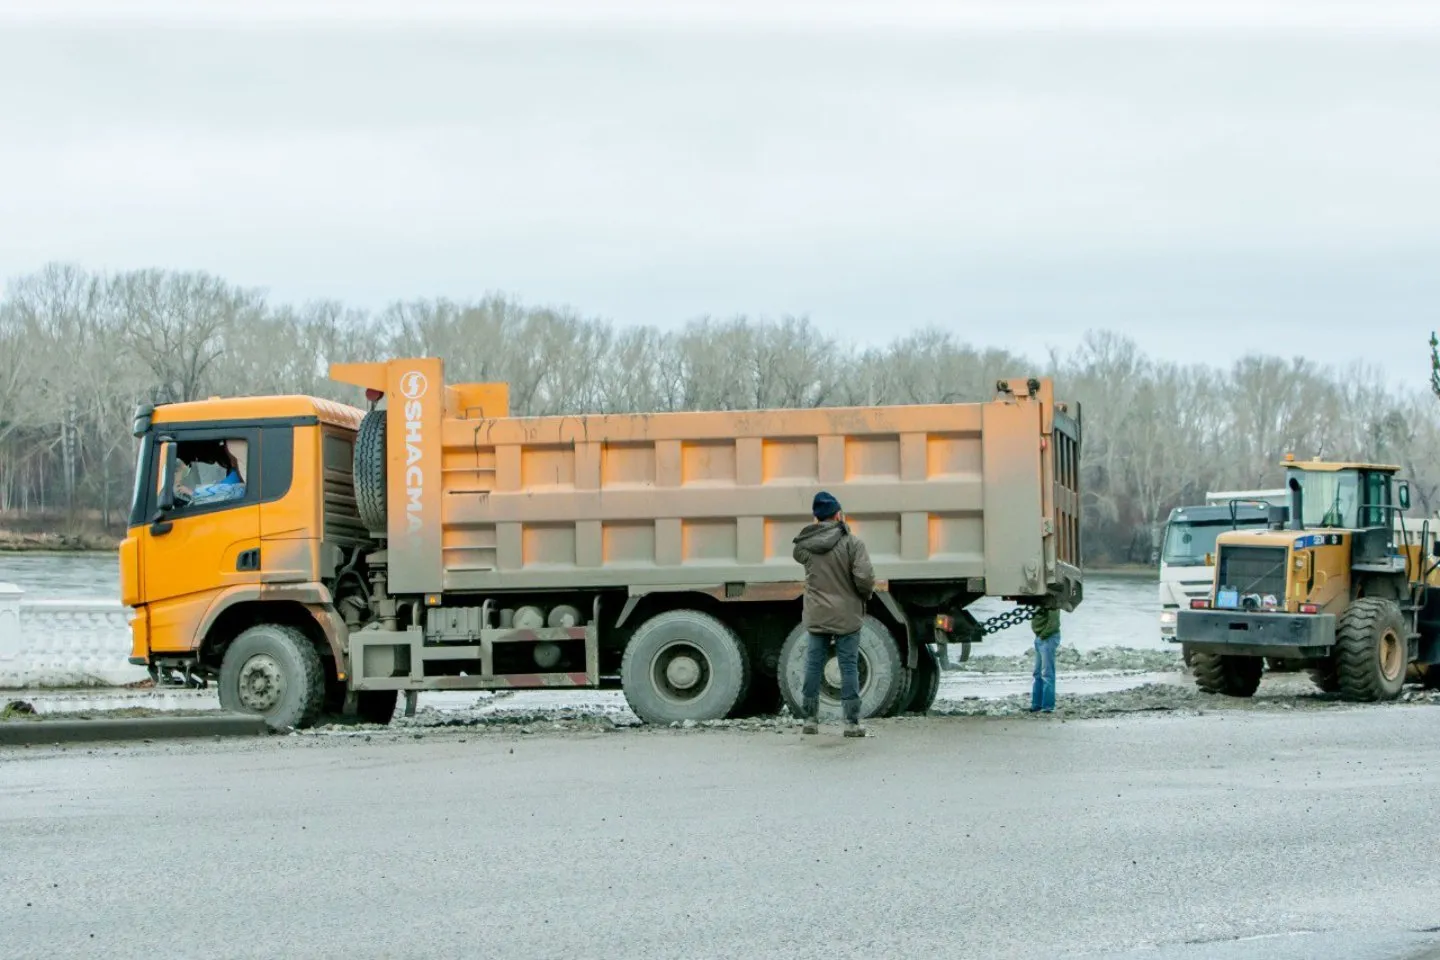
1071 659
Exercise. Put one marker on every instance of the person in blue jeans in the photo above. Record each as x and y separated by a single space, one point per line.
1047 640
839 582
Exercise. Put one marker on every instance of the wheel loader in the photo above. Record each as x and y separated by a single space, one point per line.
1342 588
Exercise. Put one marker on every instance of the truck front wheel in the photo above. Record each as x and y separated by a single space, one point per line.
273 671
1232 676
684 665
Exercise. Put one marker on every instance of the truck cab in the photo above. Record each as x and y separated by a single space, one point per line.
1187 556
243 512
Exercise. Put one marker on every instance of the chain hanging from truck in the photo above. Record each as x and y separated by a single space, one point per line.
1010 618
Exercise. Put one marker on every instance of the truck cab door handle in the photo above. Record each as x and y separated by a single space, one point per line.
248 560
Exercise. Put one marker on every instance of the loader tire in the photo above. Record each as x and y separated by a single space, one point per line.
369 472
881 673
684 665
1325 678
273 671
1371 650
1232 676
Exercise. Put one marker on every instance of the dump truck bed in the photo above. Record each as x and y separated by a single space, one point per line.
970 491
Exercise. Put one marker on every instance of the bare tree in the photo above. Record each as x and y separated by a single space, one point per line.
177 324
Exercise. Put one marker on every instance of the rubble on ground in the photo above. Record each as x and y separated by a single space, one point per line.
1071 659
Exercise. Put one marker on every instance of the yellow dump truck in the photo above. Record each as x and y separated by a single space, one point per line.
314 558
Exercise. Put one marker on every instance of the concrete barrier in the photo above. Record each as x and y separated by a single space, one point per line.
62 643
34 732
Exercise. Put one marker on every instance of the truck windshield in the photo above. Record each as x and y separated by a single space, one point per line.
1331 499
1187 542
137 497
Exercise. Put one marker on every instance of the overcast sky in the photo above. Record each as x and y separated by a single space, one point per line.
1208 179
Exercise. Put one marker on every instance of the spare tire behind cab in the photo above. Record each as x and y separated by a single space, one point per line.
369 471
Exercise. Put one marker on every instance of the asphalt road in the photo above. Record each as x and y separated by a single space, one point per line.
1230 836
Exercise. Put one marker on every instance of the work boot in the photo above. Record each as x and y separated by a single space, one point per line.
852 718
811 710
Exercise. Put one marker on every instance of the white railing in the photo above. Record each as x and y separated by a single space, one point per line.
63 643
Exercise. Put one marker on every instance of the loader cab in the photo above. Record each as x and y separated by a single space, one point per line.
1344 496
1360 498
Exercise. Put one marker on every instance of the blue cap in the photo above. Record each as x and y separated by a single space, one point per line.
825 506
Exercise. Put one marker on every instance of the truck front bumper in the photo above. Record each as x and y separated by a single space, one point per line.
1245 633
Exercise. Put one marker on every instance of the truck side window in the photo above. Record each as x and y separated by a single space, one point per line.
211 472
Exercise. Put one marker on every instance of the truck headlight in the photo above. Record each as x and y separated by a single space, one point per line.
1167 618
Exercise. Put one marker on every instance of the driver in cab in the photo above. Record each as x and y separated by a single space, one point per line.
208 458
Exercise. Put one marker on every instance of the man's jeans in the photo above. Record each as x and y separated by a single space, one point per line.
847 651
1042 692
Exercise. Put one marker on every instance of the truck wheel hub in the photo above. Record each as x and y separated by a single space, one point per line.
683 672
261 683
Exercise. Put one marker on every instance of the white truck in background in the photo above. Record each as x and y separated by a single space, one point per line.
1186 555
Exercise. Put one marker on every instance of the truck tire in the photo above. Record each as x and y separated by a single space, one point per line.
273 671
684 665
762 700
376 706
925 686
1232 676
1371 650
881 673
1325 678
907 691
369 471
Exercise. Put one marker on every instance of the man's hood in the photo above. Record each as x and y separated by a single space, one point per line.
821 537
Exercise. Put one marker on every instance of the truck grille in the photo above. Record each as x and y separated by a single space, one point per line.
1252 570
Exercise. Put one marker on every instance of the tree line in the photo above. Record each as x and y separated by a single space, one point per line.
79 349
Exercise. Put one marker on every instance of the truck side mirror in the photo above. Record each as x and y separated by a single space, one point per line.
1404 495
165 495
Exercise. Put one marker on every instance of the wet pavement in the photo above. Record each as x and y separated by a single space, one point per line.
1247 835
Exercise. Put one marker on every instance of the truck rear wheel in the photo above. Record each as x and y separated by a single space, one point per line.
376 706
907 691
273 671
761 700
881 673
1232 676
925 686
1371 650
369 471
684 665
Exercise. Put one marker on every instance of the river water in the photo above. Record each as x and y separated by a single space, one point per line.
1117 612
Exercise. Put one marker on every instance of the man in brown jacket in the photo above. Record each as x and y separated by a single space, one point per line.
839 580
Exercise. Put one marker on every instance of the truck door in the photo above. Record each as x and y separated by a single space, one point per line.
208 538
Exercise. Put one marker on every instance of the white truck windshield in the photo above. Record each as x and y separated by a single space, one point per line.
1187 543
